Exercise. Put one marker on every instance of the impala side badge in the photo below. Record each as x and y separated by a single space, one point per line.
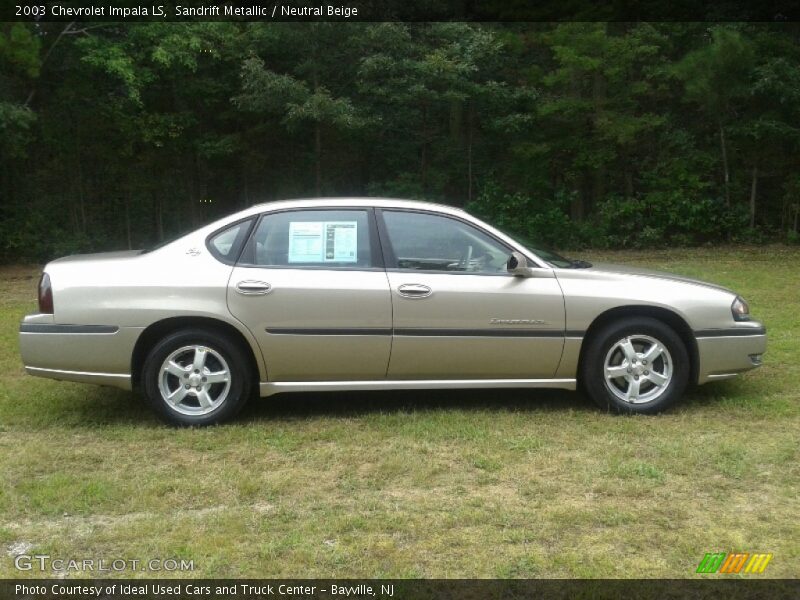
516 322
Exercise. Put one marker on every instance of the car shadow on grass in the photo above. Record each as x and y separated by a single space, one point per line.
302 405
104 406
353 404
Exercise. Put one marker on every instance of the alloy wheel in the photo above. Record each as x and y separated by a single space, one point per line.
638 369
194 380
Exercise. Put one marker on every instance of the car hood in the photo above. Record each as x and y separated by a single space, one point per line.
638 271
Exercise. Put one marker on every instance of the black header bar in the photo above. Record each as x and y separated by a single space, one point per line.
400 10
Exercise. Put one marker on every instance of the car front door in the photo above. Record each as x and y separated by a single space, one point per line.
311 287
458 313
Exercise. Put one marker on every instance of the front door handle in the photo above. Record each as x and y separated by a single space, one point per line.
414 290
253 288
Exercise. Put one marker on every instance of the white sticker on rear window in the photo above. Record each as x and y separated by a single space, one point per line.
323 241
340 241
305 242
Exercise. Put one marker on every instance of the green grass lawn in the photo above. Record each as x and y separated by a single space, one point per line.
408 484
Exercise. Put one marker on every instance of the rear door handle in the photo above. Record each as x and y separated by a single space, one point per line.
253 288
414 290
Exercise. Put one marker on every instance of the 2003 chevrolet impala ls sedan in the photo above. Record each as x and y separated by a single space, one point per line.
369 294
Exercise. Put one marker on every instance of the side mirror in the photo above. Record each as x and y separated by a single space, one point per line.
517 265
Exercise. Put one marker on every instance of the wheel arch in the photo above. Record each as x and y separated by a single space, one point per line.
666 316
158 330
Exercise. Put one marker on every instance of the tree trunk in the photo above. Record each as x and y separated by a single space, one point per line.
576 207
599 93
318 156
79 173
7 196
753 192
577 202
200 188
66 30
317 124
191 197
128 219
470 134
628 183
245 186
158 211
456 118
76 227
598 188
423 159
725 170
628 174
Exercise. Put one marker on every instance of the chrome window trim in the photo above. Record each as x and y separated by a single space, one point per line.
308 268
435 272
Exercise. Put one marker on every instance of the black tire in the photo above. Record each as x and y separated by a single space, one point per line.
640 331
221 352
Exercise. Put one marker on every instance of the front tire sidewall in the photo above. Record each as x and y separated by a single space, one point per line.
593 368
237 365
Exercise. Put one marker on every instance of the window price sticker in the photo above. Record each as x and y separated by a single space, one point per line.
323 241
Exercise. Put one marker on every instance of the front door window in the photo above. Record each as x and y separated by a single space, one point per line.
427 242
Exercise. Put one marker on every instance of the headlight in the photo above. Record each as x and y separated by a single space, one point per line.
740 310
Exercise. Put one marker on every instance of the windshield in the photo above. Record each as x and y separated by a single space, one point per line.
555 260
551 257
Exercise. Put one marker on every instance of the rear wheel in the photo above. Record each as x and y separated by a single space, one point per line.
637 365
196 377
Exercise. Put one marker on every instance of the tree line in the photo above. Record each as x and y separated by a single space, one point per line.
571 134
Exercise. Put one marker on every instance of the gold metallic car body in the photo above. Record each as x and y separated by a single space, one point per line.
325 329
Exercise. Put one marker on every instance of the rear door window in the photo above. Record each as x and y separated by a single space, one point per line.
312 238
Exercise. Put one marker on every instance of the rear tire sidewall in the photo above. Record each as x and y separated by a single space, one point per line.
593 368
238 366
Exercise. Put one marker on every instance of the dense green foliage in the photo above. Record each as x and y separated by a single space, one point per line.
575 134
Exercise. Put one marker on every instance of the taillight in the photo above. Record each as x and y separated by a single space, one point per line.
45 295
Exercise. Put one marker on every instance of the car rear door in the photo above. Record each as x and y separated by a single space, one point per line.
310 285
458 313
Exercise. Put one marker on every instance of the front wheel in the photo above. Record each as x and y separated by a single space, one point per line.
196 377
637 365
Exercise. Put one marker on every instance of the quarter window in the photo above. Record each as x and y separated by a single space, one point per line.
428 242
225 244
312 238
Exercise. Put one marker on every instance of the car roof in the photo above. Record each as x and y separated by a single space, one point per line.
349 202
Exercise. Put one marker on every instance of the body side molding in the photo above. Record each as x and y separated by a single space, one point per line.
275 387
731 332
53 328
426 332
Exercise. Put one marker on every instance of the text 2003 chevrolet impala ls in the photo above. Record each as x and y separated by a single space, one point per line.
355 294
